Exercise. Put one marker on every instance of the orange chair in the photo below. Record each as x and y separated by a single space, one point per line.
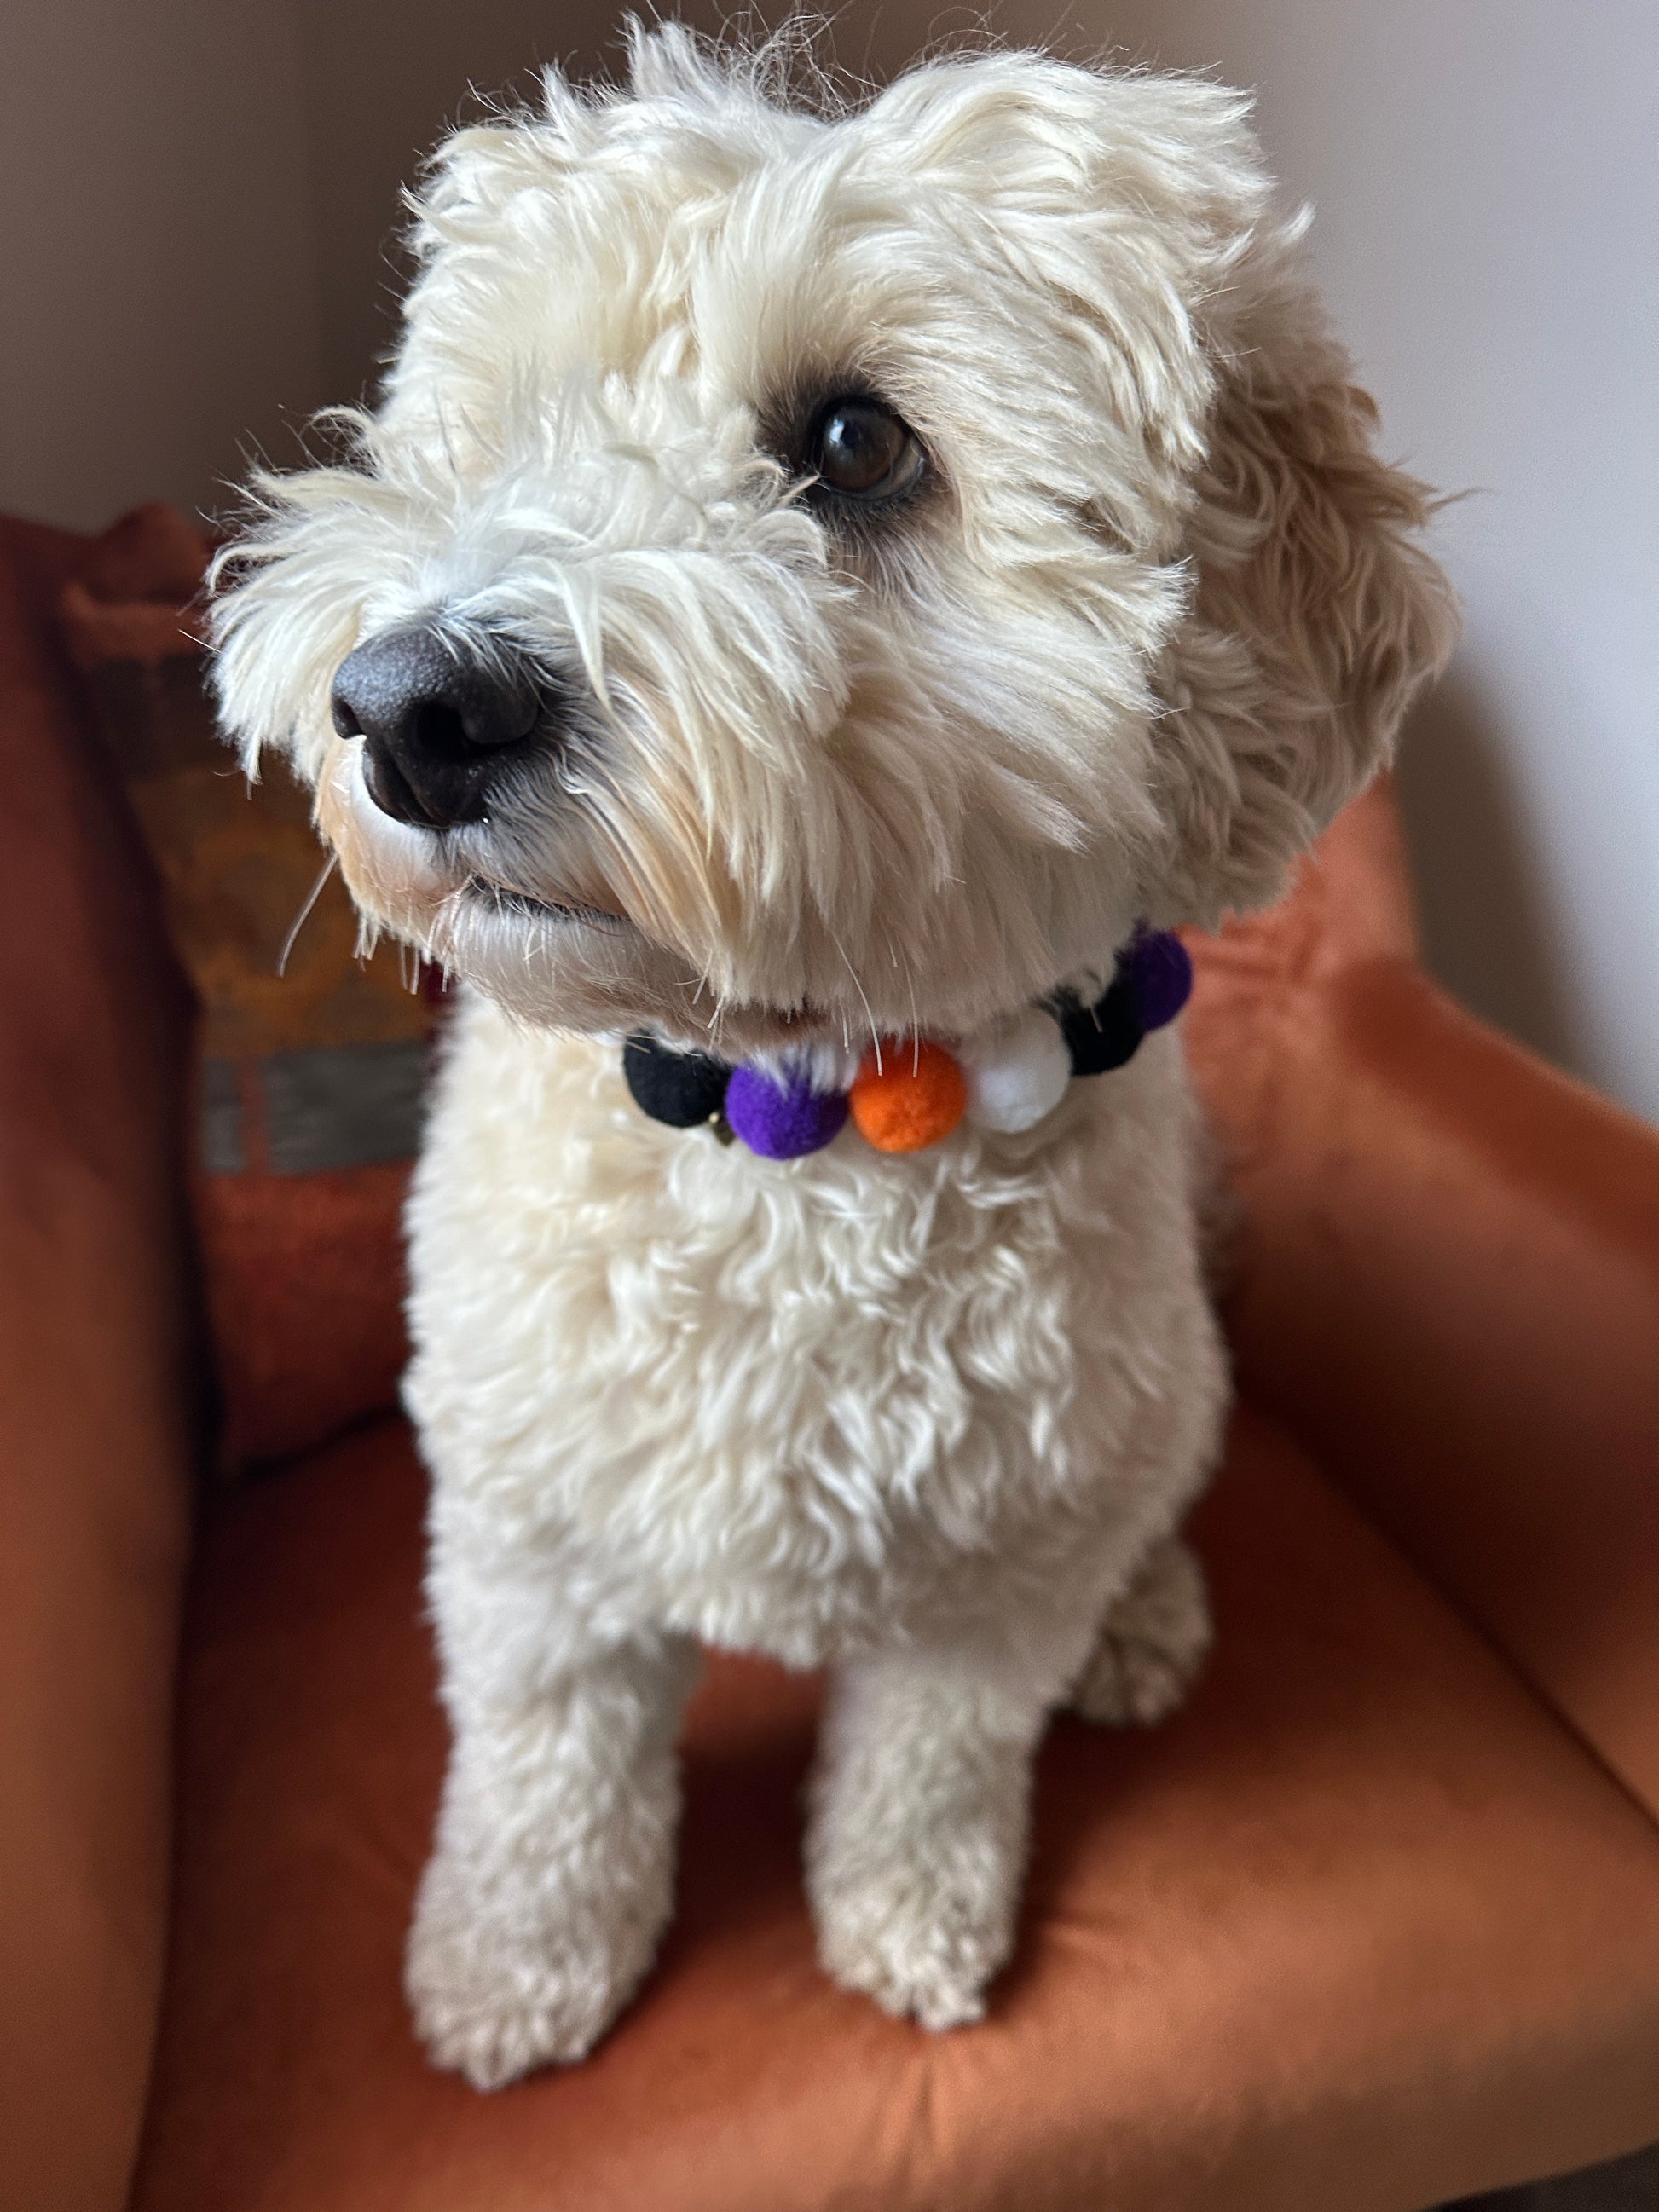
1373 1923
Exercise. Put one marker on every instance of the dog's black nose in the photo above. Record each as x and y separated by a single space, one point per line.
438 716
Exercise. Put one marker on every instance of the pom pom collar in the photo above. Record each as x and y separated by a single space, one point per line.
911 1095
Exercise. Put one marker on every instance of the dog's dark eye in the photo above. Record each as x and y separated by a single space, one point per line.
863 451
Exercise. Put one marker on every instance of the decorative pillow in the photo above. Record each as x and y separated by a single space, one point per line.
311 1060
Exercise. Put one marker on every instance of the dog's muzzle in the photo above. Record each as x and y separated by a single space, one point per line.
439 720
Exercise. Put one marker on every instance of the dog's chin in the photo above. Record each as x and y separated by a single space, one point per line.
563 962
508 905
567 965
556 959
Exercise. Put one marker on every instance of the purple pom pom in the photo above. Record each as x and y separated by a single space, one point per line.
782 1120
1160 975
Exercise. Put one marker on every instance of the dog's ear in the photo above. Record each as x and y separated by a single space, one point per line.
1315 615
1125 196
1227 423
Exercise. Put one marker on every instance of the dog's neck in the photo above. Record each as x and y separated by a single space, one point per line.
910 1093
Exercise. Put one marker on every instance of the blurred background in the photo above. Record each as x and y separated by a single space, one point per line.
198 248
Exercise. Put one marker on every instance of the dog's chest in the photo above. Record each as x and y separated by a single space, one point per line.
808 1391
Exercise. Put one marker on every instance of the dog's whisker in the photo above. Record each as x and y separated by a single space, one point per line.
875 1033
304 913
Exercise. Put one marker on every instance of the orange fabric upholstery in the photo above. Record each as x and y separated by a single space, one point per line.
93 1432
1361 1929
1446 1281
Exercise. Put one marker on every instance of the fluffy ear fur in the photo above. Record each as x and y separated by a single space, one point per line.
1142 201
1316 616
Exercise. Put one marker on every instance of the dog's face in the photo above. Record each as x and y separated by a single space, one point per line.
815 575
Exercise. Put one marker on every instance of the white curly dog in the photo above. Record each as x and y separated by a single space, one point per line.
816 573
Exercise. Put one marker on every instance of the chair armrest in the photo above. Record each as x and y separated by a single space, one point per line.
1447 1283
94 1433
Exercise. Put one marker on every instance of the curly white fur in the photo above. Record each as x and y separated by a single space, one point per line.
928 1420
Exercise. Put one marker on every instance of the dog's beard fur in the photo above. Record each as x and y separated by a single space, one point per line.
1152 617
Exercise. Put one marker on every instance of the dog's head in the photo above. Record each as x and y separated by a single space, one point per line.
811 573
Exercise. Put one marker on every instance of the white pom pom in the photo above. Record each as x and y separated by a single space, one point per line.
1016 1072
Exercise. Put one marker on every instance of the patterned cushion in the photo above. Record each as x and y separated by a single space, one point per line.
311 1059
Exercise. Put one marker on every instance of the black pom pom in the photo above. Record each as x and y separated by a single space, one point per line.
680 1088
1104 1036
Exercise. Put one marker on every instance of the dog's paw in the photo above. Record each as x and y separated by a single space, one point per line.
1151 1646
495 1994
924 1943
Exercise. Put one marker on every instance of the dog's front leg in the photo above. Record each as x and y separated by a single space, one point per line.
552 1875
920 1818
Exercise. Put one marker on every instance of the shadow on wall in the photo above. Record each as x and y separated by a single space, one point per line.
378 103
1488 933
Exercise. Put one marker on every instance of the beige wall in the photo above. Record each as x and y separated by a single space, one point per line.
201 211
1486 189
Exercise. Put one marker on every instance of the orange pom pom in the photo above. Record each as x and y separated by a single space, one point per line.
915 1096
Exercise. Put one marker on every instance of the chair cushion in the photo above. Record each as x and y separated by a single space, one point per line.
1361 1927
